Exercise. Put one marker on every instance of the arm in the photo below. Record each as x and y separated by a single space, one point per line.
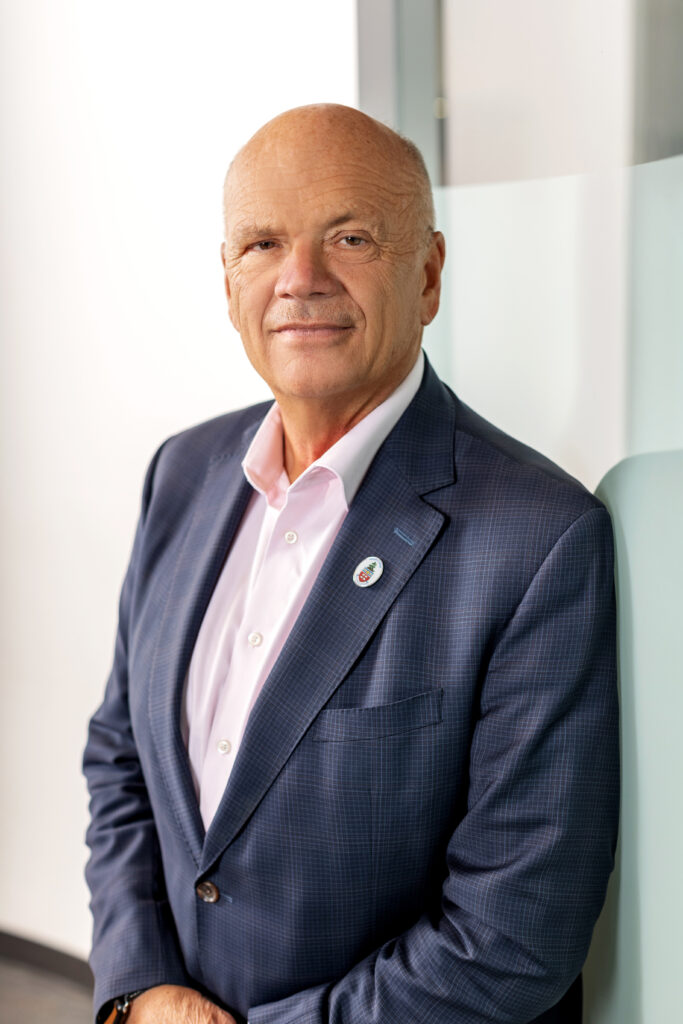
528 864
134 939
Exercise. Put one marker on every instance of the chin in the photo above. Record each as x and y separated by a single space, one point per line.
315 392
311 383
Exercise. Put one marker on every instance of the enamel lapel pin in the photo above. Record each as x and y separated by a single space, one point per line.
368 571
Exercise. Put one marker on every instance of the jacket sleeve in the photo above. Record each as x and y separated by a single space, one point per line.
528 864
134 938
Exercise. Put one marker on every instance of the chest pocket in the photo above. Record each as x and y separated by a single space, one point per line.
336 725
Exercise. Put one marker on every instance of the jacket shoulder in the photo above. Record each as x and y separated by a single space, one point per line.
179 465
222 435
493 468
192 449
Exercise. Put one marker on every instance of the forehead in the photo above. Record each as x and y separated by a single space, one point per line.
316 185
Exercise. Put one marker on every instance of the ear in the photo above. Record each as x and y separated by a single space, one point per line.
226 283
431 289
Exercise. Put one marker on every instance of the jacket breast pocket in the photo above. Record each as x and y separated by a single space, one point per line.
336 725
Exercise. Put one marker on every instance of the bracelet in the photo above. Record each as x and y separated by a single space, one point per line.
122 1005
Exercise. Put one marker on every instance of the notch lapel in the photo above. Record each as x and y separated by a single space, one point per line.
218 511
316 658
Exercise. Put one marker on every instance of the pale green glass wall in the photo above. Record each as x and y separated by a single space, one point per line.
517 291
633 970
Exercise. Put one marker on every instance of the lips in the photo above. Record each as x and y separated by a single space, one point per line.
316 333
309 326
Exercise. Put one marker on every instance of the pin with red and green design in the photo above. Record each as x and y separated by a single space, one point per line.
368 571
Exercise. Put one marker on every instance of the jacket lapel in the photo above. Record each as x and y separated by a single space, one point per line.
389 518
217 514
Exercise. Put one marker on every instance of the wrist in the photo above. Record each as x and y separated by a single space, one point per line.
119 1010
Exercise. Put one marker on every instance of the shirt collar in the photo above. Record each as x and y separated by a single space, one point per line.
348 459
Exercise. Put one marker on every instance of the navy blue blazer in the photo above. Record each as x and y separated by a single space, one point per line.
421 818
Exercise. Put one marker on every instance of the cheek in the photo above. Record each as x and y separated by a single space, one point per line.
389 304
249 301
374 295
407 295
233 312
232 291
238 303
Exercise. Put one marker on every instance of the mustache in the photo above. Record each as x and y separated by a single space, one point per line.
303 315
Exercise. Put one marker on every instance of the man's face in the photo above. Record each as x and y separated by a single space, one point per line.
330 275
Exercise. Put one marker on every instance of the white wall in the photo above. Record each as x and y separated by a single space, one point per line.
537 88
117 124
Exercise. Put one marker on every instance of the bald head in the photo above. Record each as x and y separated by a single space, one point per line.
332 265
324 130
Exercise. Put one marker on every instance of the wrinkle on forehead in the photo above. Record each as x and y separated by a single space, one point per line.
324 143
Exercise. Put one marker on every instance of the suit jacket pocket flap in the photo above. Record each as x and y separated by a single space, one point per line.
337 724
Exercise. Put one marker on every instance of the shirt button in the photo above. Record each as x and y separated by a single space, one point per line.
224 746
207 892
291 537
254 639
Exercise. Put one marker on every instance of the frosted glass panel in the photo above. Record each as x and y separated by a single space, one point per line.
562 316
532 330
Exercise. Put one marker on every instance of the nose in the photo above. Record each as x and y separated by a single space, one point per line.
304 273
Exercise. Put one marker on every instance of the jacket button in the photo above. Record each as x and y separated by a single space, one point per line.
208 892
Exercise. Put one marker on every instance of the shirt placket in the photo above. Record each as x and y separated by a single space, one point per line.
277 571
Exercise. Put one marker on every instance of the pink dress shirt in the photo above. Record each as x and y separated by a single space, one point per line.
279 548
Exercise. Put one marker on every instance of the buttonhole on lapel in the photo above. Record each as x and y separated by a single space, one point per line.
404 536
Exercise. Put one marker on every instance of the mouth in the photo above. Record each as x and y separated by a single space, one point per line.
311 331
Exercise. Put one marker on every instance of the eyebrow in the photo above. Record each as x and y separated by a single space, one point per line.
352 215
342 219
243 231
254 231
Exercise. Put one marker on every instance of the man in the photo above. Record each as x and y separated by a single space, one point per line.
357 757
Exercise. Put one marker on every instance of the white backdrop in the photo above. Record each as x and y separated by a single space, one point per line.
117 124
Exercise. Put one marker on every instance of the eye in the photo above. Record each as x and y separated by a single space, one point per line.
352 247
262 246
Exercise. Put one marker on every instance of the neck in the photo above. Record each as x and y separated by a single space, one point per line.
310 428
311 425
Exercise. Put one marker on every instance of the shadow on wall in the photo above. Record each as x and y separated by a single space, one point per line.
632 972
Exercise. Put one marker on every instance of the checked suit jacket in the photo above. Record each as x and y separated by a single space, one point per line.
421 818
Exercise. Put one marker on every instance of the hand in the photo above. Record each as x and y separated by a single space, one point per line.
173 1004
